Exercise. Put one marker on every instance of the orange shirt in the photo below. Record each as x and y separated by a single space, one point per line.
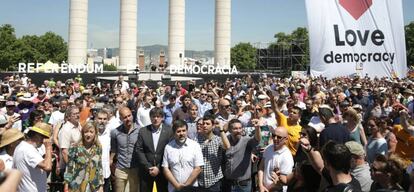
293 132
84 115
405 144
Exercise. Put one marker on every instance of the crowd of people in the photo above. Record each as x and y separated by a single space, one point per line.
241 135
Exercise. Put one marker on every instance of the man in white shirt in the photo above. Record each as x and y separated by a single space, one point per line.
30 162
104 136
113 121
182 160
70 132
59 115
277 163
143 117
10 108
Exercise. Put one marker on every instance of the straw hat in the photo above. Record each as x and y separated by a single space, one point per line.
10 136
42 128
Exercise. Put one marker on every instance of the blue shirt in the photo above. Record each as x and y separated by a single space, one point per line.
168 113
123 143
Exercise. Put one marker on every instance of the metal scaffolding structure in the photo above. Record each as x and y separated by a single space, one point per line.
281 59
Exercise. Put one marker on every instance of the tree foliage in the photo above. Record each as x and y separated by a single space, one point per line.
243 55
298 39
30 48
107 67
409 43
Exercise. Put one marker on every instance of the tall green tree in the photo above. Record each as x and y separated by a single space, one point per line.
409 43
243 55
8 46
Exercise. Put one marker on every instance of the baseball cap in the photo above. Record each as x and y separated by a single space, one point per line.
355 148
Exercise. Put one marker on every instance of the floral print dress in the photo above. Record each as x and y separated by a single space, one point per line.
84 170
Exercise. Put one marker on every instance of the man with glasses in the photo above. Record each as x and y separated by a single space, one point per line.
238 164
224 115
202 103
277 163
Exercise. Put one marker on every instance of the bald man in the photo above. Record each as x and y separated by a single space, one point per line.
277 163
123 140
224 115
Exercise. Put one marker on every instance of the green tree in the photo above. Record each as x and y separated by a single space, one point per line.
243 55
53 47
8 46
107 67
409 43
298 39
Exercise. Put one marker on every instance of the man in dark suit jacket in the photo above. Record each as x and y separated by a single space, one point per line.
149 151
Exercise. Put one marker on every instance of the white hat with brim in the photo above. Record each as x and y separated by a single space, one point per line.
26 97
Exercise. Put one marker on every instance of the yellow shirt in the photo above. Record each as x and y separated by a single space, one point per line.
293 132
405 144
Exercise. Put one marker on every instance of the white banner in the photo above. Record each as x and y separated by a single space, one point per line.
349 37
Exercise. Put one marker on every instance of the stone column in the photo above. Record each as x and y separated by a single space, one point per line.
176 32
128 36
78 32
222 39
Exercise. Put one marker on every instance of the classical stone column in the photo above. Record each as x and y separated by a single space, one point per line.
128 36
222 39
78 31
176 32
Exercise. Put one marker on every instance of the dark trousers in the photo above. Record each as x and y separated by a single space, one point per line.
147 183
107 185
214 188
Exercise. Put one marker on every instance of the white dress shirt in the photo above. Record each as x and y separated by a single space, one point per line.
105 140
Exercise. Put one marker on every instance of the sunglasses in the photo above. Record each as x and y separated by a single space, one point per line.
225 106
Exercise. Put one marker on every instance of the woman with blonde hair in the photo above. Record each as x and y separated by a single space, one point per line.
84 170
353 123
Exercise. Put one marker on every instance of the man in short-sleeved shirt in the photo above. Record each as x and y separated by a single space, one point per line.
182 160
276 157
237 158
70 132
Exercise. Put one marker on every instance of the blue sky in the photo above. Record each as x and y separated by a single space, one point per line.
252 20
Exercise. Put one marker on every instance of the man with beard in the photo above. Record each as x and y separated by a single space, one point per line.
212 147
105 140
123 140
182 160
238 165
30 162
